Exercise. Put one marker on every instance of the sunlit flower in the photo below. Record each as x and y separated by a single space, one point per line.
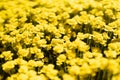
7 55
60 59
8 66
59 39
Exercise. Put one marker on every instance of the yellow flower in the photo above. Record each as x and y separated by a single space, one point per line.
39 55
81 36
8 65
31 73
49 71
114 46
87 55
74 70
41 43
58 48
5 38
13 77
43 77
84 18
98 38
70 54
35 40
32 28
22 77
1 20
97 54
55 42
23 69
7 55
39 63
34 50
71 22
85 70
79 61
23 52
99 13
69 77
31 63
110 54
27 41
82 46
109 12
105 36
113 66
97 22
37 77
108 28
72 62
19 37
103 63
20 61
60 59
116 77
94 63
95 49
61 29
10 27
65 15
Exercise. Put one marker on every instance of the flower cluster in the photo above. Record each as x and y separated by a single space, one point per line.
59 40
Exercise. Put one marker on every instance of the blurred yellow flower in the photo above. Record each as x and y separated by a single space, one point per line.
60 59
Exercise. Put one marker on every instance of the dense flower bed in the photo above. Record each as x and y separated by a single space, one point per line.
59 40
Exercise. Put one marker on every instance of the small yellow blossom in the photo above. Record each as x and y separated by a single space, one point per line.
81 36
34 50
116 77
43 77
39 55
71 22
94 63
23 52
23 69
81 45
70 54
39 63
35 78
8 65
114 46
54 42
69 77
72 62
31 73
74 70
7 55
60 59
20 61
59 39
49 71
41 43
58 48
111 54
113 66
31 64
87 55
98 38
22 77
103 63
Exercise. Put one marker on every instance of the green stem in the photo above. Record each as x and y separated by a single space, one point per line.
109 76
104 77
